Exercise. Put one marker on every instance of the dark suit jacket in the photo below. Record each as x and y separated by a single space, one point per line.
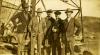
50 23
48 33
23 22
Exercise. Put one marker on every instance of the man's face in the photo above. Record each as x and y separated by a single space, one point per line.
39 13
68 14
25 10
49 14
57 16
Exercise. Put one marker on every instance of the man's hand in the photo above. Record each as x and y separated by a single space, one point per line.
46 43
77 37
54 30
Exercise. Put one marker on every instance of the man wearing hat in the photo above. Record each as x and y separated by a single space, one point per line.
47 42
56 45
38 29
70 25
20 22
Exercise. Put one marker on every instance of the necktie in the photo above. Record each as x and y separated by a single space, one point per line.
66 23
66 20
39 19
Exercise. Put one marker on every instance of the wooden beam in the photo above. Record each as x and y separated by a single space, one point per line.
33 2
33 7
43 5
0 5
11 8
63 10
5 3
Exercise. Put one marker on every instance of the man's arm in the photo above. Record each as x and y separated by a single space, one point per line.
44 25
13 20
16 16
32 26
79 28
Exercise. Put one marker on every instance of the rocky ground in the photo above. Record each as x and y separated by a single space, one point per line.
92 33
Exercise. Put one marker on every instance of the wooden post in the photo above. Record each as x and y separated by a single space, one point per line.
0 5
33 38
33 7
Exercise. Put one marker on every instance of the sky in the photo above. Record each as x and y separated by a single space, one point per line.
89 7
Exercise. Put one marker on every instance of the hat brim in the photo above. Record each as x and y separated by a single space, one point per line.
68 11
49 11
57 13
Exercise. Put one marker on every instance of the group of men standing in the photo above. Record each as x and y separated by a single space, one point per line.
51 33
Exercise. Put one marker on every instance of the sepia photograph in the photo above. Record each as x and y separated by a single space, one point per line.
49 27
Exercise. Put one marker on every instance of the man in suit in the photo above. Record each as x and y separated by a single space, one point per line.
47 41
38 29
56 45
70 25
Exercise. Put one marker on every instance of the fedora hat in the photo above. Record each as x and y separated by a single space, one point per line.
49 11
57 12
68 10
